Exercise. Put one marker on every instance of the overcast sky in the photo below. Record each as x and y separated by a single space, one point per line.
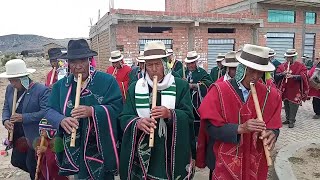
60 18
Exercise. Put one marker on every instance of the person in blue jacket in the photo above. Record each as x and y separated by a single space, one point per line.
30 109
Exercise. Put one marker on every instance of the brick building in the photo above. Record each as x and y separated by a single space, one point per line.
209 27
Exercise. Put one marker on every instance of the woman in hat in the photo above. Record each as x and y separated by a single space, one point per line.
172 121
54 54
218 71
199 82
231 63
95 153
292 80
120 71
229 140
30 109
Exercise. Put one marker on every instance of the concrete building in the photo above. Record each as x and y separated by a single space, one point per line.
286 24
209 27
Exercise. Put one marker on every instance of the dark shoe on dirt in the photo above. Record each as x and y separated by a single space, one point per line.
291 125
285 122
316 117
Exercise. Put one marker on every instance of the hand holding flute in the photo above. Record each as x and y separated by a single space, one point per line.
14 104
259 116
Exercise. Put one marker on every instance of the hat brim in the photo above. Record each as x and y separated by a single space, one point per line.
80 56
140 60
272 55
265 68
233 64
116 60
154 57
54 57
186 60
219 59
290 55
5 75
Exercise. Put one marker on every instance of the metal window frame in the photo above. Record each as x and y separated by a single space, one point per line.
315 17
294 16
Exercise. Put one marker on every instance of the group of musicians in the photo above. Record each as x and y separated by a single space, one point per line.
157 120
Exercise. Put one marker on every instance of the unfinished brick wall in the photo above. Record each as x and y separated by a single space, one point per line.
100 44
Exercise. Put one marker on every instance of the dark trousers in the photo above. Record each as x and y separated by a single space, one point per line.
316 105
291 110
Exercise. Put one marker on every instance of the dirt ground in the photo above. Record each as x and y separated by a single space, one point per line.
7 171
305 162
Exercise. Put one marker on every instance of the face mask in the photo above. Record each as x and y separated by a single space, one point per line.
25 82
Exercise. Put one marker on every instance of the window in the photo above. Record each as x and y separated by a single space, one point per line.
154 29
221 30
281 16
311 18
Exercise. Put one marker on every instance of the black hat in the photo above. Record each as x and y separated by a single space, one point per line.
54 53
78 49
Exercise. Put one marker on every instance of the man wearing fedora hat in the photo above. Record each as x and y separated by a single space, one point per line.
294 83
199 82
229 140
95 153
138 72
30 109
54 54
173 63
231 63
172 122
119 71
218 71
272 58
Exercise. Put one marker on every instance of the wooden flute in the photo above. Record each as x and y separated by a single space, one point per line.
76 104
154 104
259 116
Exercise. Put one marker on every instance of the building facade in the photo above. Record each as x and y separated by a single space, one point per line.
209 27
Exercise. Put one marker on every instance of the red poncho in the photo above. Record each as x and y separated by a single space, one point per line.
223 105
294 90
122 77
55 79
313 92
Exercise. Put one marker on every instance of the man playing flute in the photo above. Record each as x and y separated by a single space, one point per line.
120 71
292 80
95 120
30 108
230 134
199 82
173 152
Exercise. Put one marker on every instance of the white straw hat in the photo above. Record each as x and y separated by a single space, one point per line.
290 53
220 57
230 60
192 56
115 56
16 68
139 58
154 50
255 57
